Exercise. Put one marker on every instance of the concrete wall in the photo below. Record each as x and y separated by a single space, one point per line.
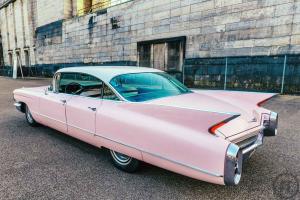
17 30
49 11
19 21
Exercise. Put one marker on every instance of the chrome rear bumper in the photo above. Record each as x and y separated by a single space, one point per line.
258 142
238 152
236 155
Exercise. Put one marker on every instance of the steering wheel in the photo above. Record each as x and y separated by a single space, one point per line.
74 88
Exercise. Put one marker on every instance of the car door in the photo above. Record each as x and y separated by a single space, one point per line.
81 109
52 107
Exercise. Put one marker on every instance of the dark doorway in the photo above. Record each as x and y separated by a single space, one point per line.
27 58
10 59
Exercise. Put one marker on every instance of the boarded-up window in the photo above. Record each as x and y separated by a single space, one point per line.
159 56
165 54
145 55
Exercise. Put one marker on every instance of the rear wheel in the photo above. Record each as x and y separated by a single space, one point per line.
124 162
29 117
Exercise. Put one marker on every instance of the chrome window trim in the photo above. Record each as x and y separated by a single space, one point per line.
113 89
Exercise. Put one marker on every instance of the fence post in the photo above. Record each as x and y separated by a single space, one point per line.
283 74
226 68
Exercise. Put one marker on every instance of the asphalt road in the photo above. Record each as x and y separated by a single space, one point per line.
41 163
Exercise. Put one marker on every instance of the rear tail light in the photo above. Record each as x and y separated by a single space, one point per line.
215 127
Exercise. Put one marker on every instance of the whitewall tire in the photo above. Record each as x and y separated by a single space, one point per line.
124 162
29 117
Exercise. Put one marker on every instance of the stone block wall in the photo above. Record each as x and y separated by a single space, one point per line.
214 28
17 25
50 11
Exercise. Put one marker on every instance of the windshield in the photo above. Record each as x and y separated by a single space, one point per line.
140 87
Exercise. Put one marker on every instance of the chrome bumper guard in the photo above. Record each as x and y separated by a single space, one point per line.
271 125
18 106
235 157
233 165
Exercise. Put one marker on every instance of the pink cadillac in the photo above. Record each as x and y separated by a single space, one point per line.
143 114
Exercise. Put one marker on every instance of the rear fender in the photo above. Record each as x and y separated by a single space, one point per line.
174 136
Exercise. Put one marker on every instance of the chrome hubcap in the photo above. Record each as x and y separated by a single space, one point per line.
120 158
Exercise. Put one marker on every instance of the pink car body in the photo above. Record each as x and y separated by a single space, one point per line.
205 134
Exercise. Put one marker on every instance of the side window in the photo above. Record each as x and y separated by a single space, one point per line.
108 94
80 84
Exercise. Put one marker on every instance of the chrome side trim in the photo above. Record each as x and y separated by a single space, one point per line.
87 131
165 158
144 151
52 119
182 107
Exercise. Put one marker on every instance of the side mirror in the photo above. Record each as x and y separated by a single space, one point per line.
48 89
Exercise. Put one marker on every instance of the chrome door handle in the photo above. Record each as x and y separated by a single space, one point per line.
93 109
63 101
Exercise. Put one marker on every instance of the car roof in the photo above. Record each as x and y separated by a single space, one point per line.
106 73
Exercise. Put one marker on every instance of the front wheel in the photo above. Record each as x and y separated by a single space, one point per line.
124 162
29 117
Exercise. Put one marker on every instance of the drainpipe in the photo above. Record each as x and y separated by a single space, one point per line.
283 74
226 69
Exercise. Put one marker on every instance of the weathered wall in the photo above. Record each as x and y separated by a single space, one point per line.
248 31
18 22
49 11
214 28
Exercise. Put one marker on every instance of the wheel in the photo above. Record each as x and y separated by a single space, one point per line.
123 162
29 117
